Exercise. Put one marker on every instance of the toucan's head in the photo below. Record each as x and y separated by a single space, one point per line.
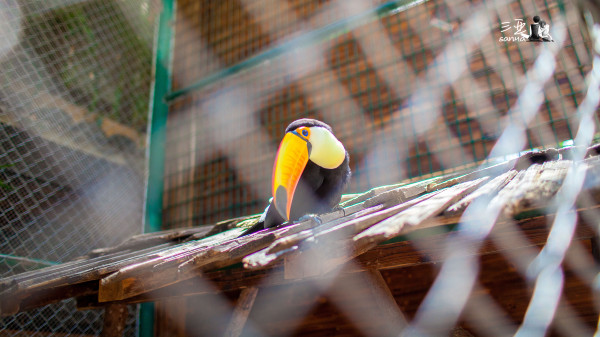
304 140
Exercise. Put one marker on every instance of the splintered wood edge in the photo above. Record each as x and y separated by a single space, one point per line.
138 278
490 188
395 225
110 290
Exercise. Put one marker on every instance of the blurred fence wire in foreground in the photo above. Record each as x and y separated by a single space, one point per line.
75 82
412 88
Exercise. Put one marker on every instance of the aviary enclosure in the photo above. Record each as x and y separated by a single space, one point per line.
123 117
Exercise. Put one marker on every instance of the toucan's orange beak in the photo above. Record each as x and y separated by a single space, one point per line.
291 159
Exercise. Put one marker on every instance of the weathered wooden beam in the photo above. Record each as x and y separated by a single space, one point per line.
135 279
146 240
401 194
487 190
171 317
186 261
518 164
10 305
241 312
374 192
72 272
533 187
15 289
538 187
381 293
285 246
105 262
410 219
383 257
296 264
115 317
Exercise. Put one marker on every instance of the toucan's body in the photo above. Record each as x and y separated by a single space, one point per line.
309 175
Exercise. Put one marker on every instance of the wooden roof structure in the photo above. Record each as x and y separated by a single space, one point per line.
376 230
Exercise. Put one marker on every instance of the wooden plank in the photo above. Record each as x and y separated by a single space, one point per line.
543 186
115 317
285 247
411 218
71 271
170 317
384 298
147 240
146 275
18 291
390 256
282 246
51 295
514 190
14 289
164 270
519 164
241 312
487 190
368 194
403 193
531 188
394 194
490 171
11 305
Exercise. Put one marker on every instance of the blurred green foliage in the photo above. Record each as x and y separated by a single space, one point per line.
97 55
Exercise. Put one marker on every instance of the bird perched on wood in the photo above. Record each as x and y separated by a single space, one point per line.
310 172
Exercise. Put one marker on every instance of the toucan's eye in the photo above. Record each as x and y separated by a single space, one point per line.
305 133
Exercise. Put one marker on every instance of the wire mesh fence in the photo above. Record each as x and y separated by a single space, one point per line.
412 88
74 93
382 83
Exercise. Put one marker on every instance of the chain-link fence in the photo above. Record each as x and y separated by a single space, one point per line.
412 88
74 91
377 72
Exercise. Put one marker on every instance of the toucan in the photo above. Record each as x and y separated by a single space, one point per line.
310 172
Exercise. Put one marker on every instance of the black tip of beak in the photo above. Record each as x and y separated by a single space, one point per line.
281 201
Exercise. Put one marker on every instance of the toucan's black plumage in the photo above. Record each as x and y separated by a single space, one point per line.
318 191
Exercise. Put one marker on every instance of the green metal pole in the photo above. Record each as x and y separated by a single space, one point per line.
157 127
